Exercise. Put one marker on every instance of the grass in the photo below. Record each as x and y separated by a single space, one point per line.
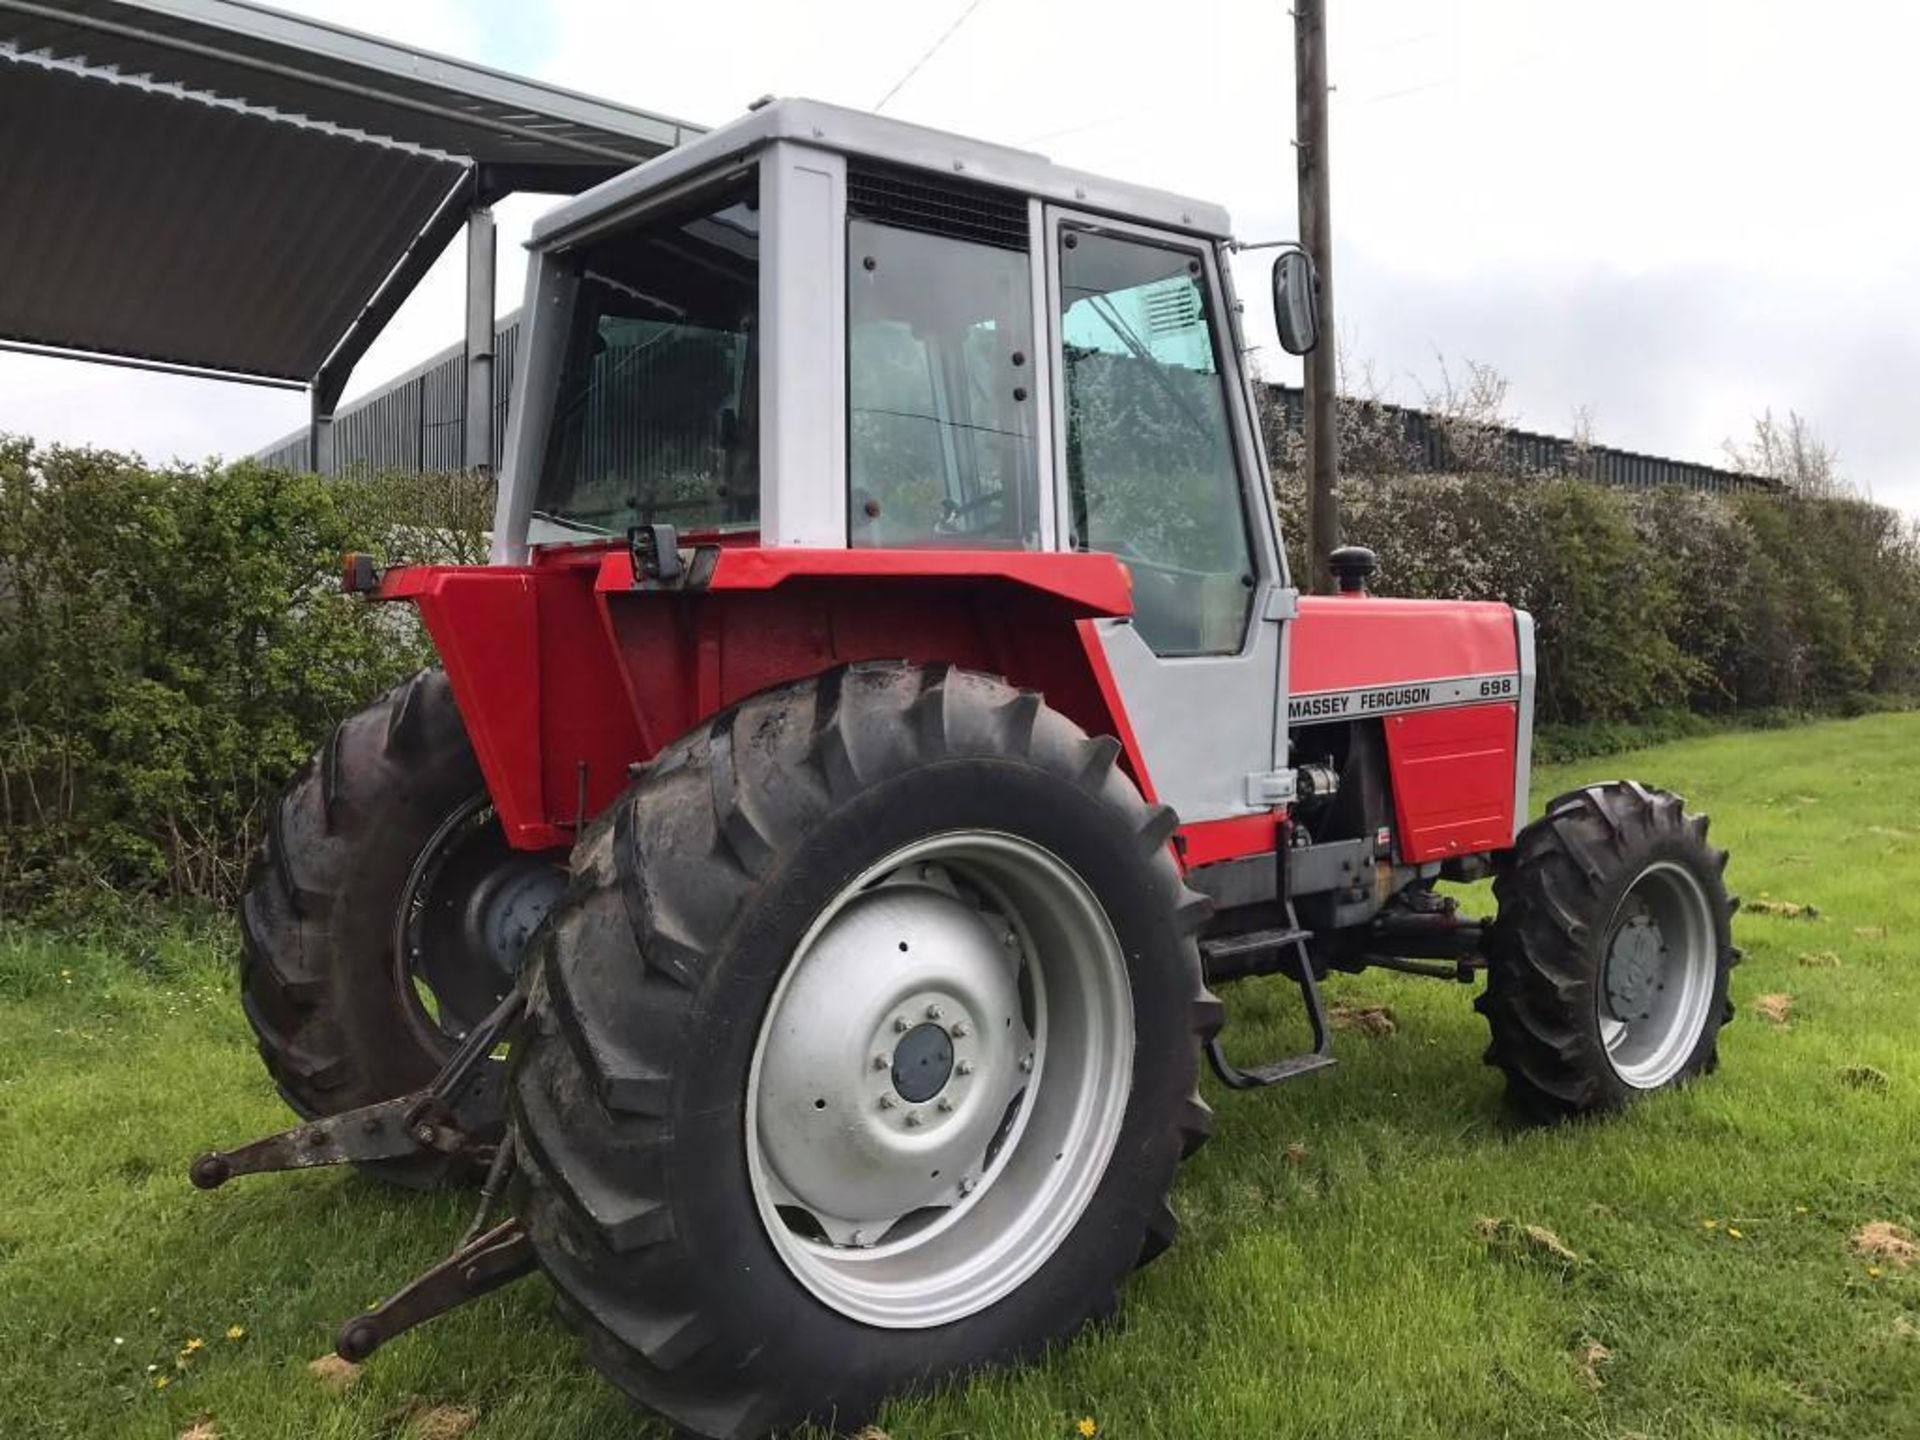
1332 1277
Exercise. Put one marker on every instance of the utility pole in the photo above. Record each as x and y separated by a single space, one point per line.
1316 234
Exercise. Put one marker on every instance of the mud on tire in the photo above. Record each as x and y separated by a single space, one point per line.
629 1086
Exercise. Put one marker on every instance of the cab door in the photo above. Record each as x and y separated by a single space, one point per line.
1156 462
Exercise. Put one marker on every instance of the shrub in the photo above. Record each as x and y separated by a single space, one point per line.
175 643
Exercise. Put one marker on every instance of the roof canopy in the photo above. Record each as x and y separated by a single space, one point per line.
215 185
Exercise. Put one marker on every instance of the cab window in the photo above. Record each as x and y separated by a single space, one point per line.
1151 471
941 435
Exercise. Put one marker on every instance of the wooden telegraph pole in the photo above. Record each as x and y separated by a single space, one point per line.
1316 234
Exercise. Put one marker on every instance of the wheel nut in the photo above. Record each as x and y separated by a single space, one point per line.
965 1067
934 1012
944 1104
886 1102
858 1237
881 1062
1026 1064
961 1030
900 1026
915 1119
967 1183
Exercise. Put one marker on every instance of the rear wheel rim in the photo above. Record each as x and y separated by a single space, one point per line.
940 1080
465 915
1659 968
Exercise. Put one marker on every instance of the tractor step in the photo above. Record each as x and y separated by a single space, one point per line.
1293 1066
1252 942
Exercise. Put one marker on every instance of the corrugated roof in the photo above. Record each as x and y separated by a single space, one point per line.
215 184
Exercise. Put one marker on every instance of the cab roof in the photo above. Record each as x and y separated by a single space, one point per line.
860 135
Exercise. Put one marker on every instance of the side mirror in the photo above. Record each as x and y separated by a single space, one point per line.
1296 301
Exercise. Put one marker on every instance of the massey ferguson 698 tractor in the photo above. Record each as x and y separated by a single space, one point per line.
886 719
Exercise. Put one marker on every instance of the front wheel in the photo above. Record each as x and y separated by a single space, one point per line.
862 1052
1608 969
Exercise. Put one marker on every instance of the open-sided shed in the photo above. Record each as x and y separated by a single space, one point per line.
215 187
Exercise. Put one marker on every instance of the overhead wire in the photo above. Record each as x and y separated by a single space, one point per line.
932 50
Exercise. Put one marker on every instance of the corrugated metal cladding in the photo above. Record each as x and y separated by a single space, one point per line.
171 229
1426 449
413 422
215 184
212 46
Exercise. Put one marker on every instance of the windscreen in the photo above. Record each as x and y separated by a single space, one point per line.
657 409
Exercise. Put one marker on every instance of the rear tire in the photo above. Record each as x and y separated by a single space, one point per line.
338 1024
656 992
1608 967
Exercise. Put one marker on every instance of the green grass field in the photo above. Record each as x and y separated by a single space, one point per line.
1332 1279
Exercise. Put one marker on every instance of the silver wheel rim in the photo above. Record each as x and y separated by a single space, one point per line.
1657 975
940 1080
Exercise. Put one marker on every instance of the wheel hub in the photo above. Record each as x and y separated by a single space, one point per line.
893 1060
1635 963
465 918
923 1063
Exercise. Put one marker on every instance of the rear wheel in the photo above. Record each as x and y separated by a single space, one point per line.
862 1052
384 914
1610 957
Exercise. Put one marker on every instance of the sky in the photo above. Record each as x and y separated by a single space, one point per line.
1670 215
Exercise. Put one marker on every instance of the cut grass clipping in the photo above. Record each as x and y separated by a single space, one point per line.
1733 1260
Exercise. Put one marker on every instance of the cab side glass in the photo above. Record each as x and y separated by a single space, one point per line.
1151 470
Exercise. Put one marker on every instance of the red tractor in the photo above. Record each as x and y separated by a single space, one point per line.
886 717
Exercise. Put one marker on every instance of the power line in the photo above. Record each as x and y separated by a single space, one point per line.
932 50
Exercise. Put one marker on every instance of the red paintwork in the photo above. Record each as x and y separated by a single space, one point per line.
566 673
1207 842
562 669
1343 642
1452 776
1452 770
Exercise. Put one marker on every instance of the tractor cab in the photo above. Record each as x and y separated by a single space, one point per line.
822 329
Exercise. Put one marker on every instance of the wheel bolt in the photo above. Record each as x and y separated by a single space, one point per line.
881 1062
1026 1064
886 1102
900 1026
945 1104
967 1183
915 1119
934 1012
965 1067
961 1030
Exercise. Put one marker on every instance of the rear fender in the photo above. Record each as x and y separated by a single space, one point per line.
570 670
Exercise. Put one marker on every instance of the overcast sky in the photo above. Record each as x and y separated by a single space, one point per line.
1673 214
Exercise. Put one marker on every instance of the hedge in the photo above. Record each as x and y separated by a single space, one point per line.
173 642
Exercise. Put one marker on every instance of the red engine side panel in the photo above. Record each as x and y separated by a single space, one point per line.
566 672
1443 677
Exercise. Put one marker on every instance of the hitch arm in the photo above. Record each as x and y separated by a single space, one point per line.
500 1256
442 1117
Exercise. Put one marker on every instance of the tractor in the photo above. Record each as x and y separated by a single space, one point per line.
886 719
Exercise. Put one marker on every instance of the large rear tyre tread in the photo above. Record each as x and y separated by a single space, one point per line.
1557 893
316 919
627 1087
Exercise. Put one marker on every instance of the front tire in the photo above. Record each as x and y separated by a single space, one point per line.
1609 962
781 947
